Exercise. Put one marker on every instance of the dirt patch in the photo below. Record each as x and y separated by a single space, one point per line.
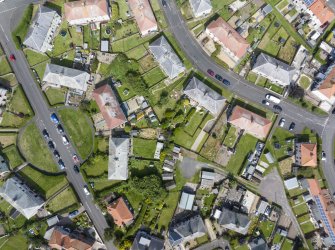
6 140
148 133
285 166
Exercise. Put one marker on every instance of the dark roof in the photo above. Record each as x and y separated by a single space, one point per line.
258 244
235 221
144 241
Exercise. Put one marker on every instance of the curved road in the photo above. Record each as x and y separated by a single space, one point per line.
325 126
42 111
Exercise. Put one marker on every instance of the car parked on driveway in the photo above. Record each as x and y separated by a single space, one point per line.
210 72
73 214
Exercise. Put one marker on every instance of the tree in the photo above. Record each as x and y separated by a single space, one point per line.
164 98
186 102
150 187
127 128
297 92
108 234
178 118
169 113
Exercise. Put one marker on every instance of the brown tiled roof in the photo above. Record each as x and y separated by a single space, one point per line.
228 37
308 154
143 14
327 87
85 9
250 122
61 240
109 106
322 11
120 212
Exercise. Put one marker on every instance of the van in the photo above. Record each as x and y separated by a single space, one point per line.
272 98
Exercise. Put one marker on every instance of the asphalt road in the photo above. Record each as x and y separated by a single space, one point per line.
42 112
323 125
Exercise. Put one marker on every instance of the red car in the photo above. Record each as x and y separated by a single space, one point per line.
75 159
210 72
12 58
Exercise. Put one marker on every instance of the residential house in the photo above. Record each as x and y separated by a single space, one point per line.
159 147
322 12
264 208
110 108
249 202
118 158
207 179
233 44
61 239
85 12
4 168
42 30
121 213
144 241
186 230
21 197
58 76
306 154
201 8
166 57
250 122
291 183
144 16
325 207
204 96
258 244
234 221
274 70
186 201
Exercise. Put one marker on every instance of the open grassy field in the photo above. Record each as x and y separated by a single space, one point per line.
18 241
153 76
13 156
79 130
35 150
96 166
34 57
194 122
144 148
4 66
47 185
56 96
66 199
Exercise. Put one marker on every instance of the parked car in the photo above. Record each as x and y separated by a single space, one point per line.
56 154
218 77
73 214
226 82
61 164
292 126
51 145
12 58
210 72
265 102
65 140
54 118
86 190
333 111
272 98
164 3
282 122
60 129
323 155
76 169
45 134
75 158
277 109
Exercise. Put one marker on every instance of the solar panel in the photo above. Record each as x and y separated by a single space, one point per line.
308 2
324 218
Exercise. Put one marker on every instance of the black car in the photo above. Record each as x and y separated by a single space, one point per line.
333 111
277 109
45 134
226 82
56 154
163 3
51 145
60 129
292 126
76 168
218 77
61 164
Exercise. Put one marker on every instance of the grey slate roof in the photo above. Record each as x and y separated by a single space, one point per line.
235 221
39 28
3 165
67 77
166 57
186 201
144 241
274 68
205 96
258 244
186 228
118 158
200 6
21 197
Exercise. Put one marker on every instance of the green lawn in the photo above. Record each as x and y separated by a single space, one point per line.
13 155
300 210
307 227
304 82
18 241
40 68
144 148
194 122
35 150
45 184
19 110
183 139
137 52
79 130
128 43
34 57
296 192
154 76
266 227
304 218
4 66
96 166
281 136
56 96
7 139
287 245
231 137
66 199
246 145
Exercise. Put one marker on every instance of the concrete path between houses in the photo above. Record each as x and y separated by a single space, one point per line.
198 140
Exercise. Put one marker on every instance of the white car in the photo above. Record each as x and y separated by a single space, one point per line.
86 190
323 156
282 122
65 140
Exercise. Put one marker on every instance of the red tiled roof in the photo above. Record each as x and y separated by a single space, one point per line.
228 37
58 240
143 14
250 122
308 152
85 9
120 212
109 106
322 11
327 87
